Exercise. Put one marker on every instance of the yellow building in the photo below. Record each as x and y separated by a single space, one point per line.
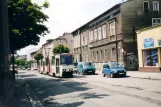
149 49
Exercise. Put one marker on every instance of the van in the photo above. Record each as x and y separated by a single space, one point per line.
86 67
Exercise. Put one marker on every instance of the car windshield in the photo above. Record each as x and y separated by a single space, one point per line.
114 65
87 64
66 59
75 64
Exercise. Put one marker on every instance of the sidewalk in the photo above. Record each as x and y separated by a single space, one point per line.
20 96
142 75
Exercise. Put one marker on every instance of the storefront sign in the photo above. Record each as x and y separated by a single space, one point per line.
159 42
148 42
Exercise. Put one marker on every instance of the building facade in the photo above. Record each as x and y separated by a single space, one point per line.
34 64
149 49
112 35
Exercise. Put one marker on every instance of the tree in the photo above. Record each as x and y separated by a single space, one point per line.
61 49
38 57
26 23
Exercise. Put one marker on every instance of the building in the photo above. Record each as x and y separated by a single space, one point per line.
111 36
149 49
66 39
33 61
29 51
21 57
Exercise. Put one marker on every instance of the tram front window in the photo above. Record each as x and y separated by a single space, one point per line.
66 60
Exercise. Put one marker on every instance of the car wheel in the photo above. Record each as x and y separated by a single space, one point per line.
111 75
124 75
82 73
103 74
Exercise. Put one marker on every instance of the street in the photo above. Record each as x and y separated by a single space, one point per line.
93 91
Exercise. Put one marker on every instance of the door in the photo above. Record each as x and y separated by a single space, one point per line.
57 66
106 69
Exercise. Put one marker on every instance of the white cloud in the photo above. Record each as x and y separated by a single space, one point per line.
68 15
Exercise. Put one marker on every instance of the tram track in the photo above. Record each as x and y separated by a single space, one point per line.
89 82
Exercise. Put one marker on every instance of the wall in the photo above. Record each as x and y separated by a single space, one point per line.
148 33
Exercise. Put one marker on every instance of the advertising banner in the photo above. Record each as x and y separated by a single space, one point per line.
148 43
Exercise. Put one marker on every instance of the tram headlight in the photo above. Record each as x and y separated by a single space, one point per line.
71 69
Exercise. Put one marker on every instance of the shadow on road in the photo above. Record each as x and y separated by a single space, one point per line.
93 95
47 88
123 77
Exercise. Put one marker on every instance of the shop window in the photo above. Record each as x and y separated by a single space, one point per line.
150 57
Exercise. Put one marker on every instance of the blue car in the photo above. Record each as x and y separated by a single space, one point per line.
86 67
113 69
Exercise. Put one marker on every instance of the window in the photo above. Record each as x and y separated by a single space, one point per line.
112 38
83 41
112 28
91 35
113 54
106 66
104 31
95 34
93 58
97 56
145 5
99 33
150 57
155 5
102 56
156 21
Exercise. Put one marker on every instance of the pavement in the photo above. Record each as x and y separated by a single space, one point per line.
93 90
20 96
141 75
23 95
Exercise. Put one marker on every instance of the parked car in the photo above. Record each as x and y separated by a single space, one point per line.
23 68
28 69
15 68
86 67
75 69
113 69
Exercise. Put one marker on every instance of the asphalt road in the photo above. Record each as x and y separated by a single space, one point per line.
93 91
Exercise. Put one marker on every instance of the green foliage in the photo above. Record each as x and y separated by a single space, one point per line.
26 23
61 49
38 57
22 63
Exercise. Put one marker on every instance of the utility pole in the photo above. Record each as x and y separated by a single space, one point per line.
5 75
116 49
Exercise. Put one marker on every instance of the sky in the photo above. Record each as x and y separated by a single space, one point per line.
68 15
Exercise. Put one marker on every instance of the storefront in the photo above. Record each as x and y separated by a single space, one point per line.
149 49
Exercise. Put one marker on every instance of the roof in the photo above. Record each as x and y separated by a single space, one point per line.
115 6
147 28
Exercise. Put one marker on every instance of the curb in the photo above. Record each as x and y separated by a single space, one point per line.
35 102
149 78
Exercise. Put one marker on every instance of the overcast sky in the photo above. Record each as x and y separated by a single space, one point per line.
68 15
